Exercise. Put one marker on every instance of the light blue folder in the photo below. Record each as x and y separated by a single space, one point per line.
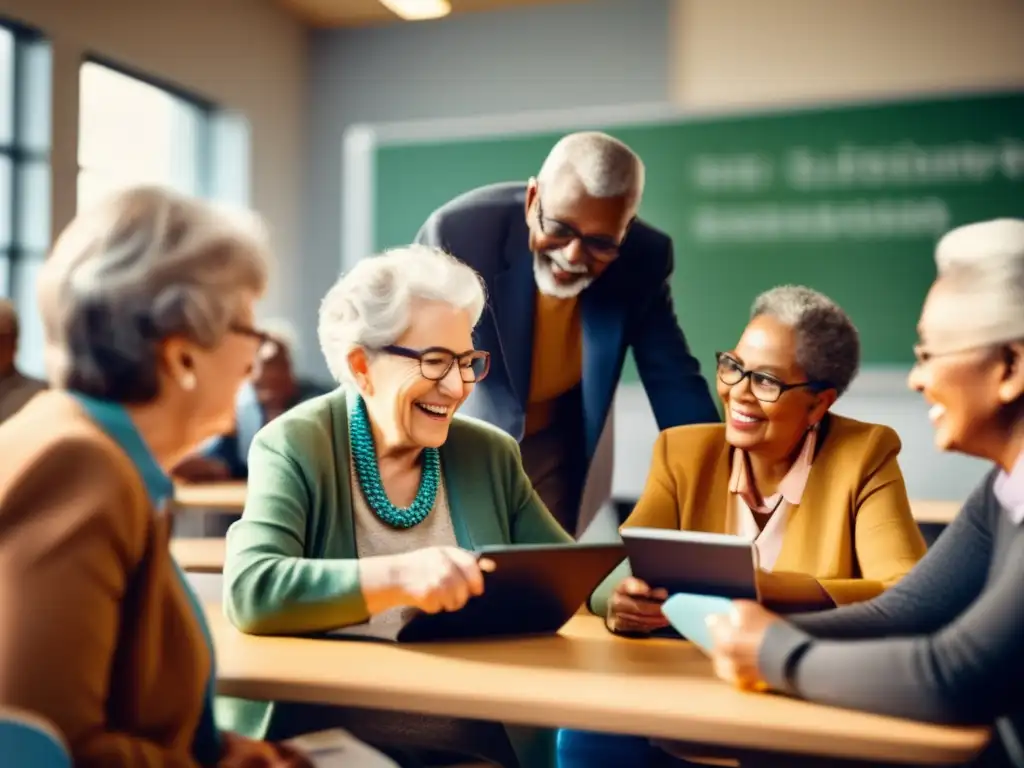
688 616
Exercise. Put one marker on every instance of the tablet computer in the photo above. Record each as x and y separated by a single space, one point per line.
534 590
694 562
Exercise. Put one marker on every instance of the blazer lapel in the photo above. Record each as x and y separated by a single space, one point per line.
514 302
603 323
712 506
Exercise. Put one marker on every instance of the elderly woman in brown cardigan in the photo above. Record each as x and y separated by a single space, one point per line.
148 304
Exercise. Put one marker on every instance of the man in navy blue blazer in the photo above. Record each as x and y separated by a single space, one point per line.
573 279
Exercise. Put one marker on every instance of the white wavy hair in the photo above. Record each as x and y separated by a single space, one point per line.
370 306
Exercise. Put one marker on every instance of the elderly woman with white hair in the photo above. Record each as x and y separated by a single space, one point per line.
945 645
147 302
365 505
820 495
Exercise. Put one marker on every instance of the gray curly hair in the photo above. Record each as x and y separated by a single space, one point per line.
827 342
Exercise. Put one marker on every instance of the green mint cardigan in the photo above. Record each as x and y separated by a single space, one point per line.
291 566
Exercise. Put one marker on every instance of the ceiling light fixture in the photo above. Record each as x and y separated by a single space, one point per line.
418 10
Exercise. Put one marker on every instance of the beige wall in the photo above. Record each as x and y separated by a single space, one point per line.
741 53
737 54
245 55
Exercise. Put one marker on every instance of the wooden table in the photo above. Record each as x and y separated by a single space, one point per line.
582 678
199 555
226 497
207 555
935 512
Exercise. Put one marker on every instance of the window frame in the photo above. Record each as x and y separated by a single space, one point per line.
204 150
14 253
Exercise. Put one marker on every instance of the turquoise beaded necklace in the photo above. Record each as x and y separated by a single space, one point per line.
364 456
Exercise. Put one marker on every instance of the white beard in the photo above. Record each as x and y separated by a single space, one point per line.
546 282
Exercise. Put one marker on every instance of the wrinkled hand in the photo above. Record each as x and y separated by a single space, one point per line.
438 579
241 752
636 608
737 641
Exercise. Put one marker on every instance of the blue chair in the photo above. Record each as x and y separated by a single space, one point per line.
28 739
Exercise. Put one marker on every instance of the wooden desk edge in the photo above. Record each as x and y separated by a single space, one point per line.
220 496
935 512
925 744
592 716
199 555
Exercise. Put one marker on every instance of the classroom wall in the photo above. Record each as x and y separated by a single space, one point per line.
740 54
747 53
605 53
700 55
245 55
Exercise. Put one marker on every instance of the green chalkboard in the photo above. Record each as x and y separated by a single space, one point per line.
847 200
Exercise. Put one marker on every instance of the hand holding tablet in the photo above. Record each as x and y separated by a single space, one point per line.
635 608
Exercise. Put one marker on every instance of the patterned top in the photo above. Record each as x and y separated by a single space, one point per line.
374 537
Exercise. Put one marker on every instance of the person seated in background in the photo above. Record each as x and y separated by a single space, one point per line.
946 644
147 302
821 496
273 389
16 389
364 505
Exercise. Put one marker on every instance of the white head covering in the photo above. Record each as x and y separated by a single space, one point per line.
983 265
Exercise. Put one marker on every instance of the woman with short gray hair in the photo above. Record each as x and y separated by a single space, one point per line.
821 496
364 504
947 644
147 303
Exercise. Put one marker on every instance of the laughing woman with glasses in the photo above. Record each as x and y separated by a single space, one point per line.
366 504
821 496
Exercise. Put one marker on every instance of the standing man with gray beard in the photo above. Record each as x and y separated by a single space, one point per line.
574 279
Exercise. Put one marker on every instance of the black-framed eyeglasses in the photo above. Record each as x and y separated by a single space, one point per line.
599 248
268 344
436 362
763 386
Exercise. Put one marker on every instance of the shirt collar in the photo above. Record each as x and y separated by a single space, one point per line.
113 419
792 486
1009 490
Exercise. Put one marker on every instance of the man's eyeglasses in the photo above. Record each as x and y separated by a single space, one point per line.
599 248
763 386
268 344
436 362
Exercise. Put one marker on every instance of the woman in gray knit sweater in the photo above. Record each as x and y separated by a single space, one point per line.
946 644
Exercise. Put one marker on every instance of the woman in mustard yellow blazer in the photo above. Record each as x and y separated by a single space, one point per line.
821 495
